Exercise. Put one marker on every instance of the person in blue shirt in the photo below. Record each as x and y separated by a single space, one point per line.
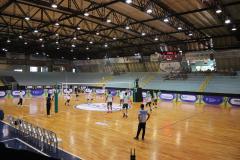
143 117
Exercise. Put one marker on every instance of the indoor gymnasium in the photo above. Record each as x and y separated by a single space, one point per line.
119 79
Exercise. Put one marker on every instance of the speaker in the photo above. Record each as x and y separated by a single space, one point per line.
211 56
137 95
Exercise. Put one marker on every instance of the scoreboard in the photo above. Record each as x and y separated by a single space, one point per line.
170 56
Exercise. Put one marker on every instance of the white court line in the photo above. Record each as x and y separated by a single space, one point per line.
32 147
8 140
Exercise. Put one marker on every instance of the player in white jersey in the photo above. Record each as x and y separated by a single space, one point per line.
68 98
89 97
109 100
149 100
126 101
155 99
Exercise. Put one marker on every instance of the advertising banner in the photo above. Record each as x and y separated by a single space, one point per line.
213 100
3 94
113 92
167 96
100 91
234 102
188 98
15 93
37 92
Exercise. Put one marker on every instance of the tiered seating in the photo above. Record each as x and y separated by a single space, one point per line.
192 83
224 84
37 136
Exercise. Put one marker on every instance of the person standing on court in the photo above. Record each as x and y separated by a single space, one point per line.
143 117
109 100
20 102
126 100
48 104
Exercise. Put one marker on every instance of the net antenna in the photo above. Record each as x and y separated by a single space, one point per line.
118 85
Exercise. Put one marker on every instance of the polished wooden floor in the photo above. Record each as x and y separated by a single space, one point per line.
174 131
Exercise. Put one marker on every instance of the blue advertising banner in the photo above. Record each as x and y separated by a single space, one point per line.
113 92
167 96
15 93
188 98
3 94
213 100
234 102
37 92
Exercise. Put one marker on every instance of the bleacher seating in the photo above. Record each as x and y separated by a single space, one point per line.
218 84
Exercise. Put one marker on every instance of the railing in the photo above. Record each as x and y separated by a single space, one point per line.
39 137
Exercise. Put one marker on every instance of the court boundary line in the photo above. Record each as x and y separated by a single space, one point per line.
189 117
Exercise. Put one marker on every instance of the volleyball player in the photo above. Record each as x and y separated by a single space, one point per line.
89 97
149 100
109 100
121 95
20 102
126 100
155 99
68 97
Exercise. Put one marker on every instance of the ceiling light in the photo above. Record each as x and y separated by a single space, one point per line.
114 38
57 48
47 55
42 45
57 34
143 34
105 45
86 14
57 42
109 21
166 20
218 11
8 40
35 31
20 36
27 18
127 27
149 11
40 39
54 5
179 28
88 58
73 45
78 28
71 50
128 1
234 28
56 24
25 43
227 21
190 34
97 33
156 39
37 53
91 42
62 57
87 48
74 38
74 58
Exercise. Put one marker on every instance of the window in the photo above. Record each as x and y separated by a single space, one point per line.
73 70
33 69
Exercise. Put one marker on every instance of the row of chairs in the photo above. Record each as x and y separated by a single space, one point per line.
40 137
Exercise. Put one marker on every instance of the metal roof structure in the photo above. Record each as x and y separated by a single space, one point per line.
96 28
